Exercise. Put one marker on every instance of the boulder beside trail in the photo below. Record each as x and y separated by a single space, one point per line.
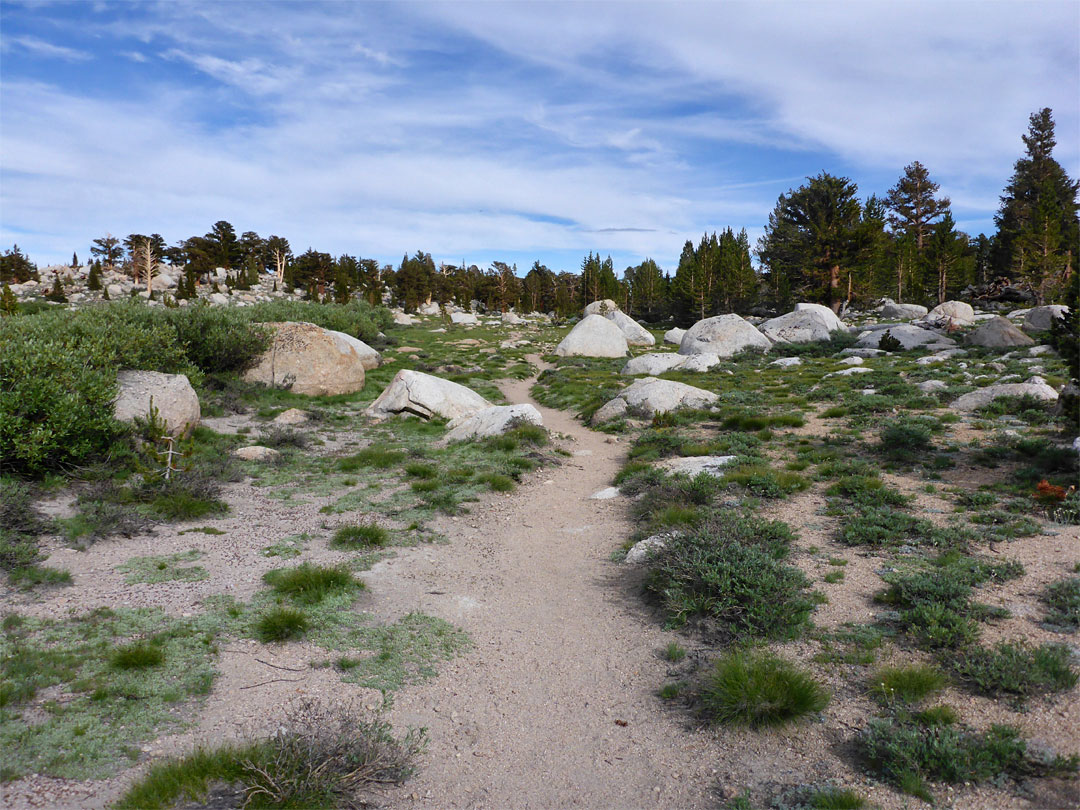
694 466
176 402
1040 319
310 360
493 421
998 333
636 334
418 394
594 336
650 396
801 326
722 335
1035 387
653 363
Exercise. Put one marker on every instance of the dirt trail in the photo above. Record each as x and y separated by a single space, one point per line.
555 706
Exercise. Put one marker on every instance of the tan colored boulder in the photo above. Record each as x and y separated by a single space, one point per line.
310 360
998 333
176 402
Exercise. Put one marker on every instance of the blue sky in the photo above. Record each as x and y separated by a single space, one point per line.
511 132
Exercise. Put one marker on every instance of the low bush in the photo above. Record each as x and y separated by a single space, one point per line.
357 318
20 525
767 482
139 655
1016 669
909 753
218 339
909 438
758 689
729 573
322 757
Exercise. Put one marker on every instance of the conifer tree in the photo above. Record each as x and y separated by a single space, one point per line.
913 206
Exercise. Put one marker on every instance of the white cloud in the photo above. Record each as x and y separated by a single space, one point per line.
40 47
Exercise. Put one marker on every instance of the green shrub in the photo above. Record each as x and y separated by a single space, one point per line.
908 754
497 481
1063 599
908 684
281 624
1016 669
909 438
309 583
767 482
758 689
20 525
376 457
58 382
218 339
729 572
357 318
365 535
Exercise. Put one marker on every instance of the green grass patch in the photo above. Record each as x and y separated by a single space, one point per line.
766 482
1016 669
1062 599
156 569
309 583
365 535
907 684
375 457
758 689
282 624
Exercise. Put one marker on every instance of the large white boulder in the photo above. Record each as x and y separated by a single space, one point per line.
674 336
651 396
429 308
594 336
699 362
722 335
998 333
1035 387
602 307
909 335
1040 319
951 314
176 402
801 326
418 394
310 360
464 318
636 334
831 318
694 466
902 312
493 421
653 363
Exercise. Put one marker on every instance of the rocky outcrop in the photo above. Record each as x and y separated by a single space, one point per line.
493 421
801 326
1040 319
594 336
413 393
722 335
909 335
998 333
171 395
1035 387
827 314
310 360
902 312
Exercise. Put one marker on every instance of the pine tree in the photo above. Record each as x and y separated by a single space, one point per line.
93 281
74 260
944 251
9 305
913 205
1038 230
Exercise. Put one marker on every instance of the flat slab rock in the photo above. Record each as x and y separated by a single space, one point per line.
493 421
418 394
809 323
909 335
1035 387
694 466
659 362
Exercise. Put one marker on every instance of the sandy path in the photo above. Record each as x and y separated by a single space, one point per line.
556 705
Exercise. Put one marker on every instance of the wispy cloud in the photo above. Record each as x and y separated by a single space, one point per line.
50 50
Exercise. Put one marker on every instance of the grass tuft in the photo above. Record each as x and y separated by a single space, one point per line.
908 684
139 655
309 583
759 689
365 535
282 624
